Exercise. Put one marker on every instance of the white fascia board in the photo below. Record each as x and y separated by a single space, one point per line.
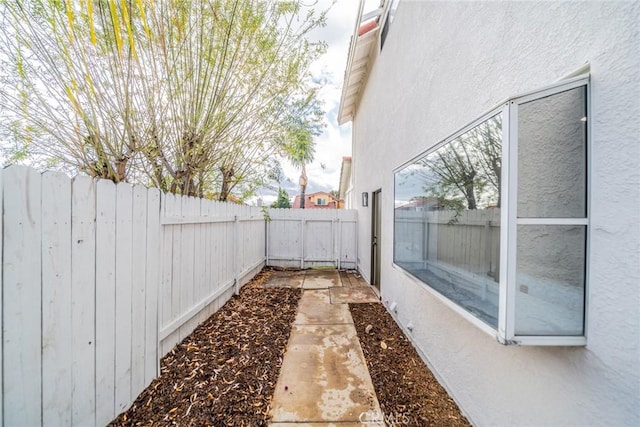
357 64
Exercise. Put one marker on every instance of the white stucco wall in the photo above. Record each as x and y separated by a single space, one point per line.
443 65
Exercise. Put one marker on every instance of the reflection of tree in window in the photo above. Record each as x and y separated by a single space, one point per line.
466 172
445 234
487 140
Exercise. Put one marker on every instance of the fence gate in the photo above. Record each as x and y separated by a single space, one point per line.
305 238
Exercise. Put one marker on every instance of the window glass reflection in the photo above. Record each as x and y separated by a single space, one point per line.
552 161
550 280
447 219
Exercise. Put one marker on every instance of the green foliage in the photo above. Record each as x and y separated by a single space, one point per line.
283 199
265 213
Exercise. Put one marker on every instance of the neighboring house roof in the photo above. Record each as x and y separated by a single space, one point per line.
332 203
361 50
426 203
345 177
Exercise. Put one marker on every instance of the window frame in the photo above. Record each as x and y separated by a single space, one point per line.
510 167
389 14
505 332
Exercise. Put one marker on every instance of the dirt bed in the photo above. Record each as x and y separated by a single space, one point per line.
225 372
407 391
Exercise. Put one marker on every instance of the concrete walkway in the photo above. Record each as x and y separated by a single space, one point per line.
324 380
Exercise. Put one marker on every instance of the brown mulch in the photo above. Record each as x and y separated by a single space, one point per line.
225 372
407 391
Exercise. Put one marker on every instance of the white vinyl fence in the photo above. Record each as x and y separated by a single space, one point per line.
304 238
99 281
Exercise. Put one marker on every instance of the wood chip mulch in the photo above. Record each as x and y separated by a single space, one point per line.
225 372
408 392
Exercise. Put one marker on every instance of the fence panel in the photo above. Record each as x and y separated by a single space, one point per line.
153 281
468 240
319 240
170 293
138 288
100 281
1 287
124 270
106 295
284 239
22 297
83 246
57 384
211 258
303 238
200 266
210 249
348 241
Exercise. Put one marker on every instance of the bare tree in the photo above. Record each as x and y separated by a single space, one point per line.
192 97
469 166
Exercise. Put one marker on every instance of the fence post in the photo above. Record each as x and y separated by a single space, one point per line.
1 302
236 248
487 254
339 232
266 243
425 217
302 221
357 233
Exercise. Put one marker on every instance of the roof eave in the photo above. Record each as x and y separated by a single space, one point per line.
358 64
345 175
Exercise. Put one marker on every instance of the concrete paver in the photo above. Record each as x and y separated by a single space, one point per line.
353 294
358 424
286 279
324 377
352 278
321 279
314 308
347 424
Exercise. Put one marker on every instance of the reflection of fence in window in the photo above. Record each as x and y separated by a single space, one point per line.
447 220
460 259
472 243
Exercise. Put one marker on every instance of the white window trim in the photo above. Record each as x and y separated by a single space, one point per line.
512 220
449 303
505 333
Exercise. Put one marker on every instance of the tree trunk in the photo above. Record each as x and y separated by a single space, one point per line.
470 196
225 188
303 186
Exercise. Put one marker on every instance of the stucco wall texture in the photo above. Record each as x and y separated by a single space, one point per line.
443 65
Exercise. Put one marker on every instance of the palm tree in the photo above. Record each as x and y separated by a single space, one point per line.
300 151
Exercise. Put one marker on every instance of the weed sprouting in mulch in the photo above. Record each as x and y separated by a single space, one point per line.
225 372
408 392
